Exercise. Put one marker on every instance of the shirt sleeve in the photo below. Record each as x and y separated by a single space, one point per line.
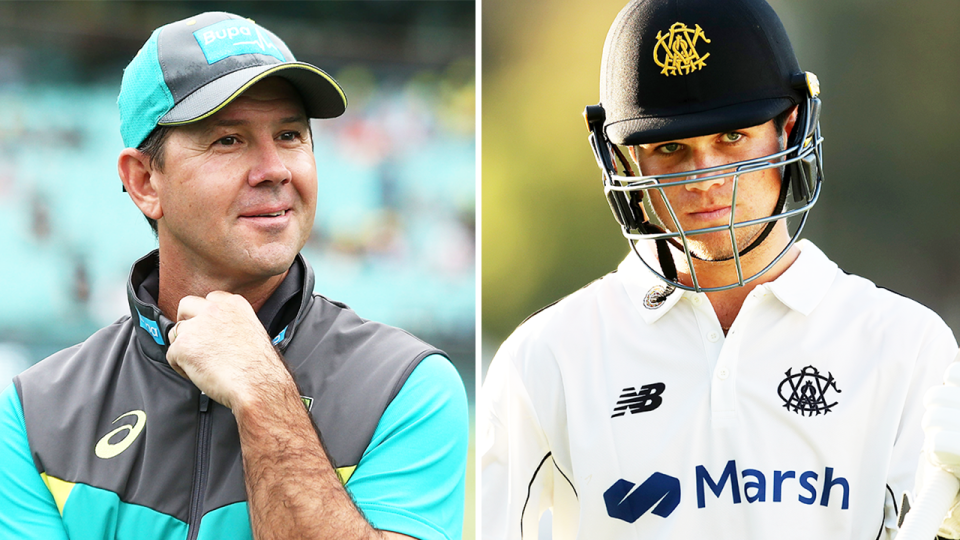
517 469
27 508
939 349
411 478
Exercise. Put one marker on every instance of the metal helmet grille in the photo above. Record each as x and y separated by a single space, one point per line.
802 157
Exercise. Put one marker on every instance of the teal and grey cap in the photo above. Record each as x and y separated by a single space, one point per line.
190 69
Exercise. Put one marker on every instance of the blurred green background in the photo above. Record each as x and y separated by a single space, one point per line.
890 80
394 236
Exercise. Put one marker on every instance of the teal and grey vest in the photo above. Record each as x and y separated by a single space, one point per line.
111 424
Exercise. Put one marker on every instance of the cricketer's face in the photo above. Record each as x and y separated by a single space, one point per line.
709 203
239 189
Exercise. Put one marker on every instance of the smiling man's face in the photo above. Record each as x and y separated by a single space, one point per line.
238 190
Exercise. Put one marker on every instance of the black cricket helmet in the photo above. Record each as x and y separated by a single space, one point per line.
674 69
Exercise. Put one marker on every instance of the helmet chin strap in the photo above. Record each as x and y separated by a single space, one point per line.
667 266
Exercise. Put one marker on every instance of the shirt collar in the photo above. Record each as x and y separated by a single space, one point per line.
801 287
644 288
275 312
804 284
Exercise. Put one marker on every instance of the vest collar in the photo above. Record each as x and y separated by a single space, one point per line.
152 327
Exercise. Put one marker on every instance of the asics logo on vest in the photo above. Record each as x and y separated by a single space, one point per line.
106 449
662 492
647 399
626 503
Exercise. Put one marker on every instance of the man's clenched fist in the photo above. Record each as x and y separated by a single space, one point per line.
221 346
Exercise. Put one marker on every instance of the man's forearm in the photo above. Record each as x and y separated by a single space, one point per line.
292 487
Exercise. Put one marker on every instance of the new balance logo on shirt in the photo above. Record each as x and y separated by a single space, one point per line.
647 399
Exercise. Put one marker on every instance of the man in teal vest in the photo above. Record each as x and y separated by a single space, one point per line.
201 415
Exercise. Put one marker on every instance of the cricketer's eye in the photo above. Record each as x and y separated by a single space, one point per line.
732 136
668 148
290 136
227 141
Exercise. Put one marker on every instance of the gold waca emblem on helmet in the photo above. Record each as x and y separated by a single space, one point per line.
676 51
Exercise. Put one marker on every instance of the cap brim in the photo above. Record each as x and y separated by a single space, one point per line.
322 96
719 120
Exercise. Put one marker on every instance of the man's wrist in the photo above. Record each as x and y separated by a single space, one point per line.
270 387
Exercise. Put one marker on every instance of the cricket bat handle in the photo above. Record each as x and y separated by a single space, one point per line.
932 504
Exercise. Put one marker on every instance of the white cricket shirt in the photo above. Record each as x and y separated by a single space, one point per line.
634 420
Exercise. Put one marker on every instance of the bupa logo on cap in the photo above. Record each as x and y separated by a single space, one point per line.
233 37
676 50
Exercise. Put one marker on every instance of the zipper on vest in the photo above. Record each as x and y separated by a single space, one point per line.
199 470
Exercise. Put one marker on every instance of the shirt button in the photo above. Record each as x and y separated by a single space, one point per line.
697 300
723 373
713 337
